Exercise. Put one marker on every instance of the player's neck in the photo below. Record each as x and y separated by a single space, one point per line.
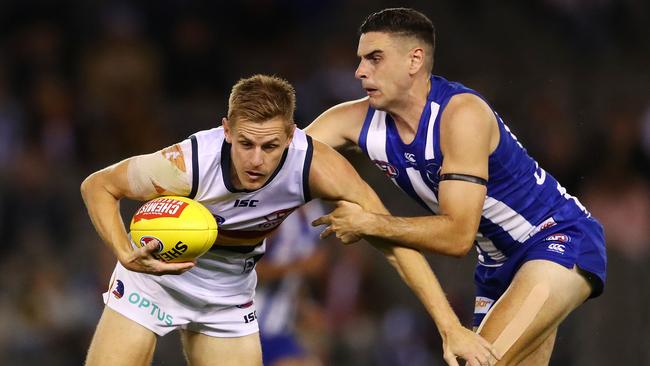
407 111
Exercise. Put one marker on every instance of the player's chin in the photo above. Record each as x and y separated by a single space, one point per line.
254 184
375 102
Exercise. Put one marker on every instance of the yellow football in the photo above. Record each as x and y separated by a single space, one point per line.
184 228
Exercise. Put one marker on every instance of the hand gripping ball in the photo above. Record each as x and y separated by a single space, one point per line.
184 228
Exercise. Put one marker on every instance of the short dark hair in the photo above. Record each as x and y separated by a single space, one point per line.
402 21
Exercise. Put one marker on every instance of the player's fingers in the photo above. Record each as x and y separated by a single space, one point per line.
175 268
152 246
483 360
323 220
490 348
349 239
451 360
496 354
491 359
327 232
340 204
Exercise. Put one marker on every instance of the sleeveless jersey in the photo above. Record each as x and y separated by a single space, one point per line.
295 240
522 199
245 218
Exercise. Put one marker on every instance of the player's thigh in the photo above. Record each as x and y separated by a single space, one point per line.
204 350
541 355
561 291
120 341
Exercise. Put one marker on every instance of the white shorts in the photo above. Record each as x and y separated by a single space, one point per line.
146 300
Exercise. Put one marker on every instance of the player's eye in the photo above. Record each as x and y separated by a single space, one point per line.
270 147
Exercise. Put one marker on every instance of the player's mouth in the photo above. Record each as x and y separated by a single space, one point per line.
254 175
371 91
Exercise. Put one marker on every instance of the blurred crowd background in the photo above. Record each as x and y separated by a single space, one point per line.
84 84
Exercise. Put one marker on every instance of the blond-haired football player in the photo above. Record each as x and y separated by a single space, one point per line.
250 173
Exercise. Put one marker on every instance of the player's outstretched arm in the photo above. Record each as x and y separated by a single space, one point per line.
333 178
467 138
340 126
140 178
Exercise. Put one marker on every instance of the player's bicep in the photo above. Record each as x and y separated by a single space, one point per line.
465 136
465 143
339 126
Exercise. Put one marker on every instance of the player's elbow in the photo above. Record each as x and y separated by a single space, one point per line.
460 245
86 186
90 185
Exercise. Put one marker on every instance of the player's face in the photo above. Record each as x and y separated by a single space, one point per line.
257 149
383 69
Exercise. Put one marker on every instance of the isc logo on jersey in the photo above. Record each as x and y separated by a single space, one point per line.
184 228
245 203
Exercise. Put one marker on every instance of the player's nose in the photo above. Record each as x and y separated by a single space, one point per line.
258 157
360 73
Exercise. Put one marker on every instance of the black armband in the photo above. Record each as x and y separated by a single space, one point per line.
465 178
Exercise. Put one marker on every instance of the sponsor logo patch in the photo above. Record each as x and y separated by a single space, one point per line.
482 305
118 289
160 207
410 157
556 247
562 238
249 264
275 218
175 155
220 219
151 308
433 173
387 168
246 305
550 222
246 203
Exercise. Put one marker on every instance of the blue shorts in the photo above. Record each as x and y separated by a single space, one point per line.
580 243
279 346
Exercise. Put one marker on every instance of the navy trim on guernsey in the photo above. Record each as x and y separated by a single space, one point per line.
306 191
363 135
225 163
195 167
464 177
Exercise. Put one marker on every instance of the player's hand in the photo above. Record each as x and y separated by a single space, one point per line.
463 343
346 221
142 260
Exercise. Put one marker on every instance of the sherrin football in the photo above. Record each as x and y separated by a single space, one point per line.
184 228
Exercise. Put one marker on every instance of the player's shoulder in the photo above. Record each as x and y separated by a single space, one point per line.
468 117
215 133
341 124
351 109
467 110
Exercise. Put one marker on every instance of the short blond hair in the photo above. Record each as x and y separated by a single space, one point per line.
260 98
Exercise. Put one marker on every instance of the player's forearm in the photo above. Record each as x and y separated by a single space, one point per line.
437 234
417 274
103 209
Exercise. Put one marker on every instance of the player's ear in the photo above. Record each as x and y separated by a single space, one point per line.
417 60
291 129
226 129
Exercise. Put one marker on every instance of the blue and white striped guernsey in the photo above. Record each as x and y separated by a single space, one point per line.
522 199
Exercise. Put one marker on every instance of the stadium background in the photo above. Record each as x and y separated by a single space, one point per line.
85 84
